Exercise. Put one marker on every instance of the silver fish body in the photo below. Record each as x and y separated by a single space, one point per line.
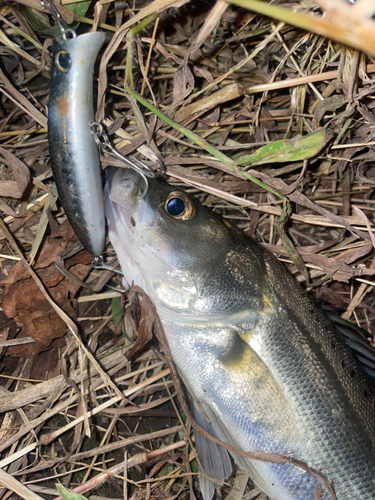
73 151
262 362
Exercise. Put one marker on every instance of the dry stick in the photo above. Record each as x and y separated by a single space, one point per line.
125 485
257 455
234 90
18 454
126 442
131 462
189 442
214 16
300 199
272 210
104 449
21 101
19 399
47 438
147 67
239 65
70 324
12 484
358 297
7 442
239 486
43 389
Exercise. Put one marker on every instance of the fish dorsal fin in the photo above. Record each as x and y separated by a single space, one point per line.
213 458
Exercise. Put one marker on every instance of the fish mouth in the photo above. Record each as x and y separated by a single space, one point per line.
124 187
130 217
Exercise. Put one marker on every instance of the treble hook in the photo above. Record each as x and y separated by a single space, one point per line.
98 263
142 169
66 32
162 170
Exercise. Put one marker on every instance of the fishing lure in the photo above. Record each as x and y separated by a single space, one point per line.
73 150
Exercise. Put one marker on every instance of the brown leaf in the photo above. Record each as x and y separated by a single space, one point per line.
301 199
146 312
338 269
4 334
10 189
9 211
328 104
23 301
32 349
212 19
183 84
14 189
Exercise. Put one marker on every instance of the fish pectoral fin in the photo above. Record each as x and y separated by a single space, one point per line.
214 459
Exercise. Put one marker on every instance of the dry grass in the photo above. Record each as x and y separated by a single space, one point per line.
238 80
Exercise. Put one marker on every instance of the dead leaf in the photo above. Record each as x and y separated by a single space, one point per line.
301 199
23 301
183 83
16 188
211 21
32 349
329 104
340 270
144 313
361 214
4 334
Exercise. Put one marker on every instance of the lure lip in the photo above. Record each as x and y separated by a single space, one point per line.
73 151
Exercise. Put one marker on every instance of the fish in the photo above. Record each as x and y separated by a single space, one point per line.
354 337
74 154
264 369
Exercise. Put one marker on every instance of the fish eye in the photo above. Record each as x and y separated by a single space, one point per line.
179 206
63 61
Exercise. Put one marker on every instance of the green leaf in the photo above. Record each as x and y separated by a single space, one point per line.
116 309
194 465
117 315
69 494
39 21
296 149
79 8
295 257
285 212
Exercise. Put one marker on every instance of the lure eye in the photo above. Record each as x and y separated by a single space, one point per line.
63 61
179 206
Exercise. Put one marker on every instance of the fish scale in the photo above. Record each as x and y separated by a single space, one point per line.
241 415
324 426
264 365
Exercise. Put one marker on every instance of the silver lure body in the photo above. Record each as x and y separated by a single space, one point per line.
73 151
270 373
